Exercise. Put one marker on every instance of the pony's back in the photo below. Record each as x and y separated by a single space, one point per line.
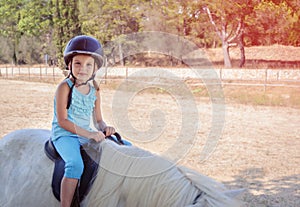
25 171
128 176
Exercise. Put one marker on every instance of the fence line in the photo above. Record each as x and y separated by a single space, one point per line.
234 77
31 72
237 77
223 74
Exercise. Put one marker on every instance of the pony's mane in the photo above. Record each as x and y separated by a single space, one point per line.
129 172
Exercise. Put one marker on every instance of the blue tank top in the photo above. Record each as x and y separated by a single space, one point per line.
80 112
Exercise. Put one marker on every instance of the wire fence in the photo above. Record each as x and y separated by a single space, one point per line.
40 72
233 77
203 77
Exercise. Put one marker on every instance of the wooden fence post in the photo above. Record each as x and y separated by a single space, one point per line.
40 72
6 72
53 74
266 80
105 76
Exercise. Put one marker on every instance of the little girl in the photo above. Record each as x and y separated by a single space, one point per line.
75 102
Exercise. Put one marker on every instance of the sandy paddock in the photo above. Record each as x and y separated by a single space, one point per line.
258 149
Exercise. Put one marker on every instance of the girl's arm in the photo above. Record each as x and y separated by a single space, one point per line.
98 120
62 115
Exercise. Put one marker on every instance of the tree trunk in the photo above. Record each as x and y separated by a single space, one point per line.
241 43
15 61
227 61
121 55
242 50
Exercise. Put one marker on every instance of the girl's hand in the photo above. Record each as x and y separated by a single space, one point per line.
109 131
97 136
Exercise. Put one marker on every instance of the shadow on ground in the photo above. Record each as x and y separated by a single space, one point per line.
279 192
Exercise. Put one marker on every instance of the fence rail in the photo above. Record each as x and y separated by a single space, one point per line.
249 77
31 72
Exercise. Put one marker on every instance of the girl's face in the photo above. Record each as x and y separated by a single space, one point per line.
83 67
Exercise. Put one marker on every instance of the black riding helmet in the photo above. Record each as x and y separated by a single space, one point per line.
84 44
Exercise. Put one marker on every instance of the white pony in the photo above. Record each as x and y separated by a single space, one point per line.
127 177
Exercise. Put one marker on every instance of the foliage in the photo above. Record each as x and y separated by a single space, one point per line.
33 28
9 19
19 20
66 25
6 51
108 20
32 22
271 23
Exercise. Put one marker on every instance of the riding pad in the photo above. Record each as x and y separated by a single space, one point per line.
87 178
91 154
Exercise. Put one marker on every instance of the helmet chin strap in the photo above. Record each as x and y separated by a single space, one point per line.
84 83
71 89
75 79
91 78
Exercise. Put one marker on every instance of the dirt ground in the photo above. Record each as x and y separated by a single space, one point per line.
258 148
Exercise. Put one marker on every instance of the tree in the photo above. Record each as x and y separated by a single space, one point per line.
294 37
197 20
66 24
32 27
21 21
10 15
36 24
35 17
6 50
270 23
227 18
108 20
